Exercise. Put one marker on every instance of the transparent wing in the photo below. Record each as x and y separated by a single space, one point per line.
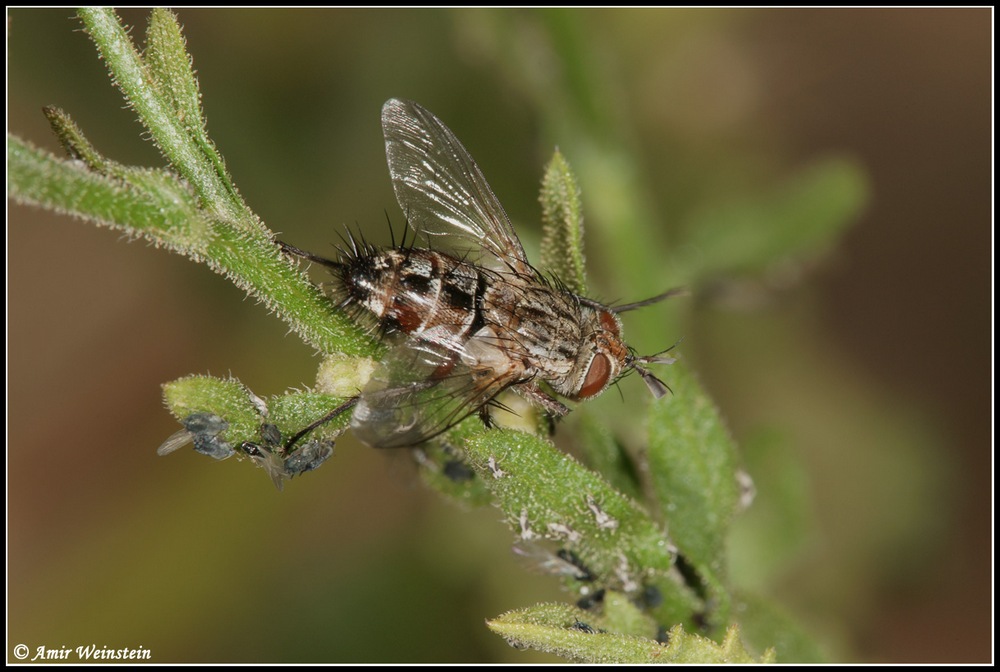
425 386
440 188
563 562
175 441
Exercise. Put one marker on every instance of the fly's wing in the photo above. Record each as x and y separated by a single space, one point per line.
440 188
425 386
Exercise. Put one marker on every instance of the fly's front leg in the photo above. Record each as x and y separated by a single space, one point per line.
554 409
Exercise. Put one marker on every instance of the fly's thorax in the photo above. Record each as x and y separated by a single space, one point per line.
570 342
412 290
540 324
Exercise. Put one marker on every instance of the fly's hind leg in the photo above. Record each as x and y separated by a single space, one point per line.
484 415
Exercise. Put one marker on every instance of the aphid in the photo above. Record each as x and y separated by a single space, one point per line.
650 598
472 322
201 429
270 434
563 562
281 464
458 471
583 573
308 457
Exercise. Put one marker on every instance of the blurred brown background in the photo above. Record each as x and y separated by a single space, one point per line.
877 367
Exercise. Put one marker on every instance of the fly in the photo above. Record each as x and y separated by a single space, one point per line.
471 324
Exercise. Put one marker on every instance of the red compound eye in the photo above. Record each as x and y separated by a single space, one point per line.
597 376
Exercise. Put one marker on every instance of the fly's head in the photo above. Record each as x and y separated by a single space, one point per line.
603 357
606 357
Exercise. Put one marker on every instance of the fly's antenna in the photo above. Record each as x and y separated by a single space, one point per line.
658 388
655 385
676 291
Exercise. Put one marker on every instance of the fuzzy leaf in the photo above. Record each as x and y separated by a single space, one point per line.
765 627
602 452
170 64
171 67
445 469
582 636
562 225
166 194
623 616
159 206
228 399
144 202
157 112
76 144
546 494
294 411
692 466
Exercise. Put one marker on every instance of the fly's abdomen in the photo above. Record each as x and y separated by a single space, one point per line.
414 290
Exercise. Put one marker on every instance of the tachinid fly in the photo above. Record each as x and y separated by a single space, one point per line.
472 323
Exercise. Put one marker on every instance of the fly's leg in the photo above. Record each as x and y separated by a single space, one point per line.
537 396
554 409
350 403
484 415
